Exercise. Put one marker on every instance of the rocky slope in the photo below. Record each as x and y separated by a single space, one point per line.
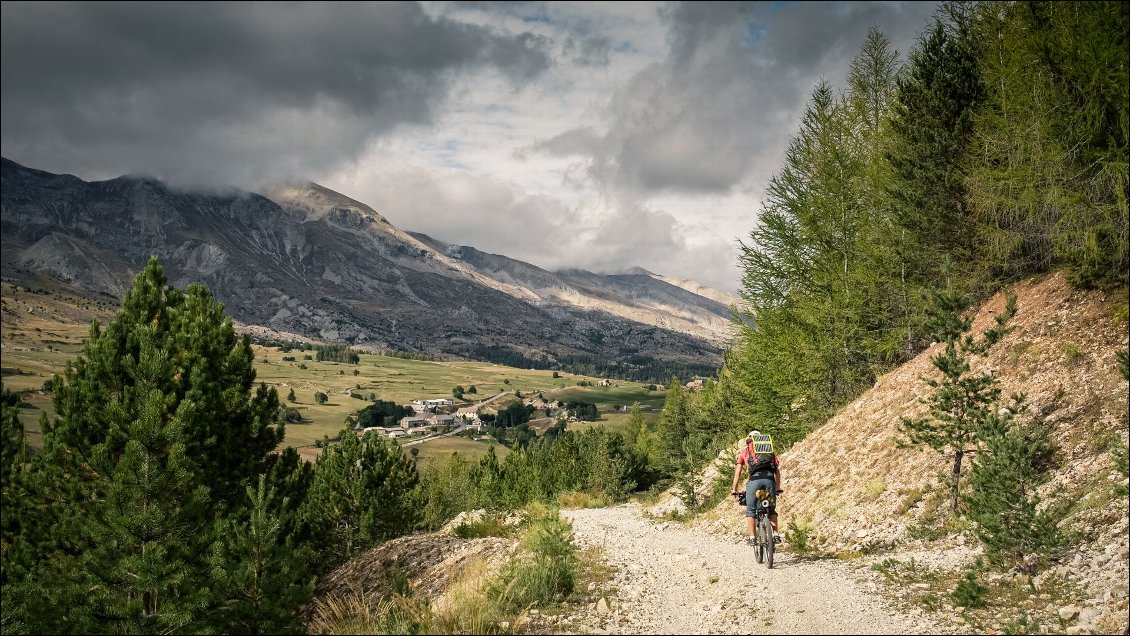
863 494
306 260
637 295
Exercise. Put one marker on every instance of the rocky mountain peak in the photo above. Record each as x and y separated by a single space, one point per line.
301 258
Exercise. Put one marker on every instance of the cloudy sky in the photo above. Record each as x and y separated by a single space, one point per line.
598 135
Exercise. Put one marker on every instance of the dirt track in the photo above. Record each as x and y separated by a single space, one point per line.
672 580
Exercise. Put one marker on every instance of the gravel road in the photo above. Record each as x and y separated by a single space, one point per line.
673 580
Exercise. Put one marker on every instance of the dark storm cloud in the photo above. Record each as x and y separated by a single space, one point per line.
720 106
229 93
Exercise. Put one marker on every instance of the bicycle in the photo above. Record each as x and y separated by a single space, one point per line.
763 527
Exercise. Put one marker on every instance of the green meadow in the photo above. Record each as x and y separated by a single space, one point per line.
42 332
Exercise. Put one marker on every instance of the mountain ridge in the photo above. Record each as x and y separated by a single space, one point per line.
304 259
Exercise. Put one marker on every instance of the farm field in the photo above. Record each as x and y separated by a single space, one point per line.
41 332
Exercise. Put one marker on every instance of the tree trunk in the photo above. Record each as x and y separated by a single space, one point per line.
958 454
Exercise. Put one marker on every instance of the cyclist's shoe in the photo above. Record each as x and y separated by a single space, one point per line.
776 538
751 541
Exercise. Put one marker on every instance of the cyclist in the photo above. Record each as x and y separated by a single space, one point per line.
764 472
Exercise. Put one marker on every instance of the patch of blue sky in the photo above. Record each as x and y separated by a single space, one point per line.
444 153
532 13
626 47
754 33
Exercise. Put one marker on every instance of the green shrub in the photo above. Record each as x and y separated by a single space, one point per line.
1004 504
546 572
970 592
1120 455
488 526
796 534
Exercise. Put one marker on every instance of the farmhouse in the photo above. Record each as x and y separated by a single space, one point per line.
413 421
387 431
431 404
441 419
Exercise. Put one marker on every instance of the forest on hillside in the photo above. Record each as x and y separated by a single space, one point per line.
996 149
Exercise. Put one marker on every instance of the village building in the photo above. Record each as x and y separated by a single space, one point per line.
431 404
413 421
441 419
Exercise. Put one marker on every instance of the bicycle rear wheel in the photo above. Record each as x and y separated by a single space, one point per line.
765 540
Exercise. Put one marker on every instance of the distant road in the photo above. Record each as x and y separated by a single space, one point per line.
493 398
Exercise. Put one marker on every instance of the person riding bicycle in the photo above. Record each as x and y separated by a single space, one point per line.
764 472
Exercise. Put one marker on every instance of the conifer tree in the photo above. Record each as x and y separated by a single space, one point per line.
364 490
226 435
673 426
13 448
1003 503
261 578
962 402
155 411
635 426
141 571
932 129
488 477
1049 173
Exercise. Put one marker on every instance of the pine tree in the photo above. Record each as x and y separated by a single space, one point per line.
226 435
962 402
932 129
1004 504
141 572
673 426
364 490
13 448
157 406
261 577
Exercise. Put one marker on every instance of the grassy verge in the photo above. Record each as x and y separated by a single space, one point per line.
542 576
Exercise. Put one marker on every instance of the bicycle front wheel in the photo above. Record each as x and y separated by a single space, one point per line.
765 531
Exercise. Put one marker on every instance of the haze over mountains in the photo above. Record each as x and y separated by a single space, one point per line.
307 260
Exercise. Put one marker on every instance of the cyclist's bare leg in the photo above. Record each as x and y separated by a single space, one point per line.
773 520
752 523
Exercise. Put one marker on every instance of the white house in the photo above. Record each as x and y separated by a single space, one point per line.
425 404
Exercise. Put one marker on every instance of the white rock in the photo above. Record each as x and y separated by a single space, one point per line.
602 608
1068 612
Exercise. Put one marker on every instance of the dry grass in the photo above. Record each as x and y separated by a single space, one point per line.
573 500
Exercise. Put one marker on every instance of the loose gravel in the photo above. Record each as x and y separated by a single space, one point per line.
673 580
